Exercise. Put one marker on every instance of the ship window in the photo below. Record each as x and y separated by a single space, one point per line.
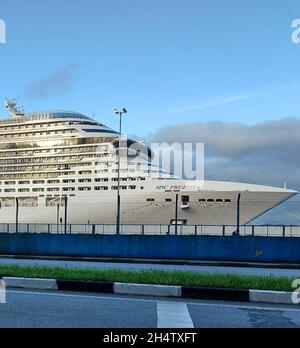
53 181
121 187
38 181
150 199
24 182
202 200
84 180
185 199
9 182
210 200
85 172
52 189
179 222
132 187
68 188
219 200
24 190
168 199
101 179
9 190
84 188
68 181
101 171
100 188
38 190
227 200
68 173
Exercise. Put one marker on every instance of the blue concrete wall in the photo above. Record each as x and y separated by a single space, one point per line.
259 249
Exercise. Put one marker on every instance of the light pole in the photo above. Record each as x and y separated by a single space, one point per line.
238 215
120 113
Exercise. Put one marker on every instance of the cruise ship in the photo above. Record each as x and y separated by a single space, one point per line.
56 160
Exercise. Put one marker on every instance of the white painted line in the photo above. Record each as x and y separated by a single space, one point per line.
173 315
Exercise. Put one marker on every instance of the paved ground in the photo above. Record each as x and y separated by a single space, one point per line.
145 266
61 309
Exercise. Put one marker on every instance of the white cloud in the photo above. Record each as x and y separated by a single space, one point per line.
265 153
213 102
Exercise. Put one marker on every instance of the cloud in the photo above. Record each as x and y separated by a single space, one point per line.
57 83
265 153
213 102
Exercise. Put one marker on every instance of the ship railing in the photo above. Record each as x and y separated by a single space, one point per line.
155 229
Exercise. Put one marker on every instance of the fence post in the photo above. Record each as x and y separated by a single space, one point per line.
57 215
176 214
143 230
283 231
196 229
66 212
252 230
17 214
238 215
223 230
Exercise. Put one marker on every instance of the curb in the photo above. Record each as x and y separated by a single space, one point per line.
204 293
282 297
147 290
221 294
30 283
89 286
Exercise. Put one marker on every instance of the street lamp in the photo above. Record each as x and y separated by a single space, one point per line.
120 113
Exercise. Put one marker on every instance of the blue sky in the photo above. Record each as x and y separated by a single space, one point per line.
167 61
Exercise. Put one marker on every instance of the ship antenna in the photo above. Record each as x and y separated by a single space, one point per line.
14 110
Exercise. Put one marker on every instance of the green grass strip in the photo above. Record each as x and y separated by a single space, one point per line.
151 277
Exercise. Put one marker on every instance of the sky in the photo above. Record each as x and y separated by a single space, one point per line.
166 61
214 67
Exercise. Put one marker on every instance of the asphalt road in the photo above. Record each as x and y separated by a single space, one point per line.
148 266
54 309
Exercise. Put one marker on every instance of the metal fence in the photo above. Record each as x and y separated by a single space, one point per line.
162 230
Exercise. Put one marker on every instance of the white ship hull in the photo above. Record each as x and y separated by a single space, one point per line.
220 207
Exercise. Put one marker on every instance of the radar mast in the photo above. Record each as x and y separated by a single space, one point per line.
14 110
